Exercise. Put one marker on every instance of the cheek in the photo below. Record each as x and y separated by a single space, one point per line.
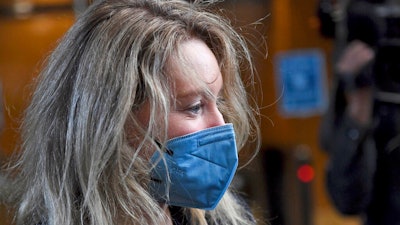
135 139
179 125
135 135
147 152
142 114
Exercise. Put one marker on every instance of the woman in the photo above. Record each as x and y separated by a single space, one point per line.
107 137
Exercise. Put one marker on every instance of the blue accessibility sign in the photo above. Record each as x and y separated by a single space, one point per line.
301 82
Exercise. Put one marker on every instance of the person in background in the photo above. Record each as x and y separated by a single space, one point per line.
137 118
360 131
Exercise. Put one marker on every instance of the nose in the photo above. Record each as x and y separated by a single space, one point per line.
215 118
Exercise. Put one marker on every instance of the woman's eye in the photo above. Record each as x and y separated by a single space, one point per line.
195 109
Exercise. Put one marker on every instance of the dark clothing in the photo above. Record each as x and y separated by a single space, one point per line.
363 173
178 218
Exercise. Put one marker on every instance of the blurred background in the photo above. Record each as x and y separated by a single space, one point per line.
285 183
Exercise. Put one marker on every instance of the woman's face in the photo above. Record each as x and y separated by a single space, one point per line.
194 109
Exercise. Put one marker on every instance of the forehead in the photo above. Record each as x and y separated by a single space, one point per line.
193 64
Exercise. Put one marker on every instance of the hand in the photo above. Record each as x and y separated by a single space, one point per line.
359 105
354 57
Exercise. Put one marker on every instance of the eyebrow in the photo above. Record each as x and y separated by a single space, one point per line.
199 92
206 91
191 94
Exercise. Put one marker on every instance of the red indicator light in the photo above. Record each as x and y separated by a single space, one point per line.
305 173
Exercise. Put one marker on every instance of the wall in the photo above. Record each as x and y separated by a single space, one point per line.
288 25
26 38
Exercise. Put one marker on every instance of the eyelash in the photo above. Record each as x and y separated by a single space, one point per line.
198 107
195 109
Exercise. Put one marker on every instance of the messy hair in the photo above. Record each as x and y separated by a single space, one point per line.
77 164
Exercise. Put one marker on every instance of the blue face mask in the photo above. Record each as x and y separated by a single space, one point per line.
197 169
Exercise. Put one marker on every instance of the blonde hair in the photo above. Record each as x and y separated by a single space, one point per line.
77 165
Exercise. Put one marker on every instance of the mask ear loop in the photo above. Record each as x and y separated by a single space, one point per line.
159 181
164 148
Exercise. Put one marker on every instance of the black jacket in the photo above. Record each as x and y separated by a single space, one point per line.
363 172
